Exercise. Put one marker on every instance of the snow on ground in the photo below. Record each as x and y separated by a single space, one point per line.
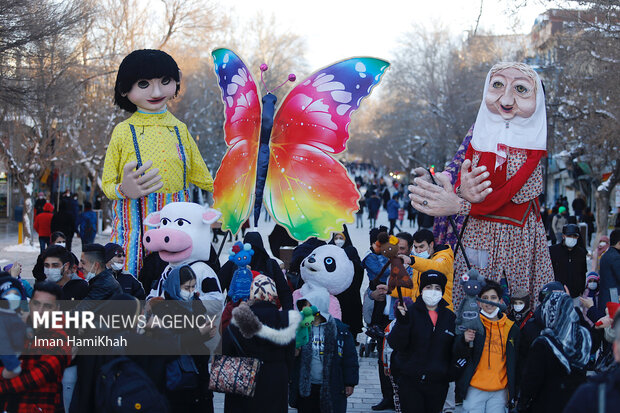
22 248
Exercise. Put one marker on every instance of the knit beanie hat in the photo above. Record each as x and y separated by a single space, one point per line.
433 277
592 276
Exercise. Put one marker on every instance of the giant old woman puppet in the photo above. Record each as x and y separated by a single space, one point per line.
499 184
151 158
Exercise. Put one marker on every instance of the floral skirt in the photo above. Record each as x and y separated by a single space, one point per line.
497 250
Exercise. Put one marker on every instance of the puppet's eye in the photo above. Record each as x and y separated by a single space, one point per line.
497 84
165 80
165 221
143 84
330 264
180 223
521 89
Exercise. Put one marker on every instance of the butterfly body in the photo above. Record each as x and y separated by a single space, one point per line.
305 190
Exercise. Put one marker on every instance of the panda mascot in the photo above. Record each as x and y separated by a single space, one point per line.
326 267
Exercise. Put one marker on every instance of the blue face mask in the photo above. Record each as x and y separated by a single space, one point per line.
423 254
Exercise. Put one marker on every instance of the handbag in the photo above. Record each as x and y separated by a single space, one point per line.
234 375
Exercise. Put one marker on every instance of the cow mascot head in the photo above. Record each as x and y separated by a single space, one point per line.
181 235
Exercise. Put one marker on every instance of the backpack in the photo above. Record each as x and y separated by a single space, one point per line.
89 228
122 387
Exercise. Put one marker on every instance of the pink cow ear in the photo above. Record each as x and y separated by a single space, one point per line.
210 215
152 220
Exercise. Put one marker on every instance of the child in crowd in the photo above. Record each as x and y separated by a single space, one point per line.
326 368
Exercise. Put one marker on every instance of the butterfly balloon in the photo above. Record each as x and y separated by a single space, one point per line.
286 161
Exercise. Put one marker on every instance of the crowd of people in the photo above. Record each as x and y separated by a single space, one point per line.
531 354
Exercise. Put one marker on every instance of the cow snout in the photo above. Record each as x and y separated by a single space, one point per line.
166 239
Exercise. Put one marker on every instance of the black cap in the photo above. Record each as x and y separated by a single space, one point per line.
111 249
433 277
571 229
548 289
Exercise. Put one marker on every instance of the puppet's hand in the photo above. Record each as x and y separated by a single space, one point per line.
422 174
474 184
435 200
135 186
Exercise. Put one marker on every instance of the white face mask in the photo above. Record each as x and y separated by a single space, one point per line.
431 297
492 314
53 274
518 307
13 300
570 242
117 266
339 242
592 285
185 295
423 254
62 244
602 244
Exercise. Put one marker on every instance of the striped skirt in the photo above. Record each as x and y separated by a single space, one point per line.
127 216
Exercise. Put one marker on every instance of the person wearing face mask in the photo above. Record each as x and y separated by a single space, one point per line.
115 260
58 238
569 261
350 299
58 268
12 328
101 283
426 256
488 381
422 339
521 309
601 248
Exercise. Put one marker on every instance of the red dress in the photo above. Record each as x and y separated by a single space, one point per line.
505 236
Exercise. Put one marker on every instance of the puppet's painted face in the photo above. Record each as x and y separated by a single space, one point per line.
151 95
511 93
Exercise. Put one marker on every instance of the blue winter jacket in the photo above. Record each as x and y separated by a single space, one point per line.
392 209
87 219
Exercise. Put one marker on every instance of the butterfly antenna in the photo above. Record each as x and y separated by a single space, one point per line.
291 78
264 68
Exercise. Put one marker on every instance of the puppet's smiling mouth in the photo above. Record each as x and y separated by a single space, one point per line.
156 100
506 108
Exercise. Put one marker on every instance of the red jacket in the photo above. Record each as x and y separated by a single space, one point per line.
38 389
498 205
43 221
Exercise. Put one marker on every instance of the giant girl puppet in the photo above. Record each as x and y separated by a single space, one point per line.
151 158
504 235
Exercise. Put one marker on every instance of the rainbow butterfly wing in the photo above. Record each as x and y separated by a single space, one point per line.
307 190
233 188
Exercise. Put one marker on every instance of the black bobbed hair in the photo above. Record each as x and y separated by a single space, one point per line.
142 64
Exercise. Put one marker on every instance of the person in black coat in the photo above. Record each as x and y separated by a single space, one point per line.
557 359
422 339
587 398
273 343
263 263
101 283
569 261
350 299
115 260
280 237
610 270
64 221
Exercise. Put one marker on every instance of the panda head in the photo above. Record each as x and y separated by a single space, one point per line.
328 266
